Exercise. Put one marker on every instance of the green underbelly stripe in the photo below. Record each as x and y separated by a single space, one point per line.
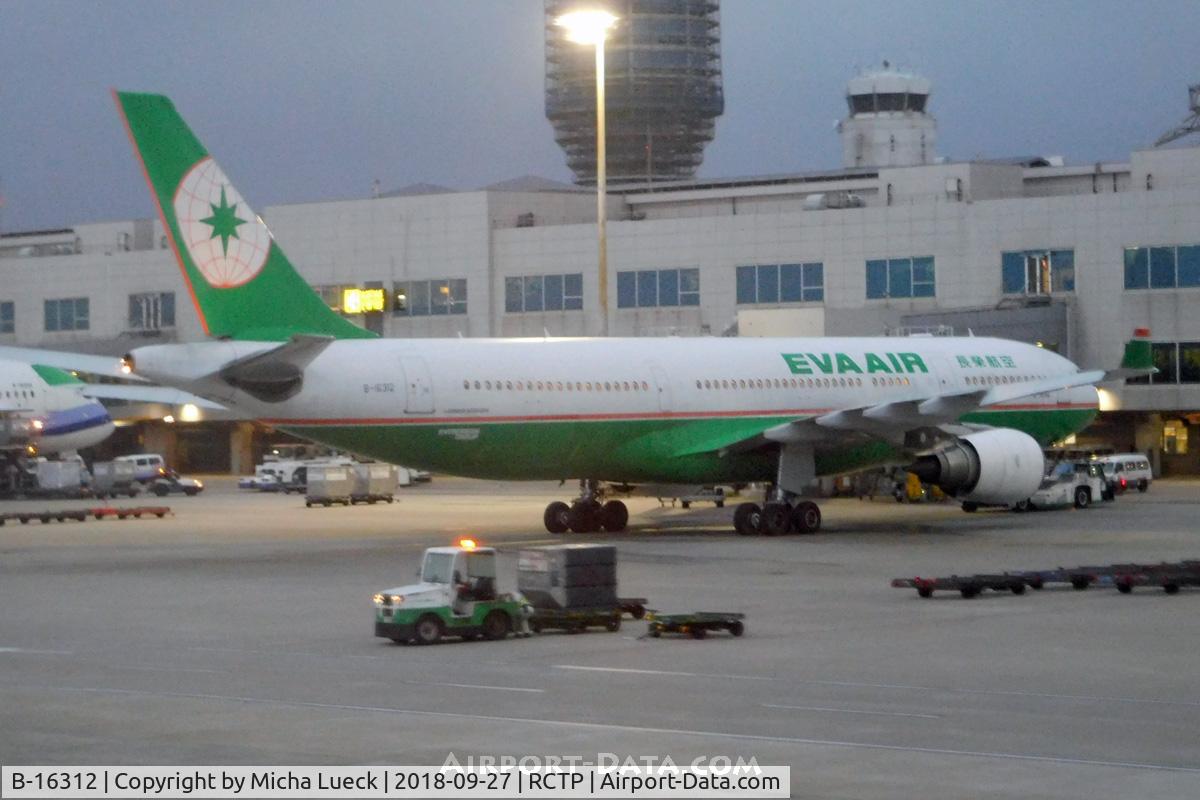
629 450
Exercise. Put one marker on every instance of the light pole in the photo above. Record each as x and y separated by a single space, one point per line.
591 27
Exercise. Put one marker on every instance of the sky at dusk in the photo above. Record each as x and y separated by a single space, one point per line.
305 101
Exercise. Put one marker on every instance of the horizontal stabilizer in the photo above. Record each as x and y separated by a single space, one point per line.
147 394
1125 373
108 366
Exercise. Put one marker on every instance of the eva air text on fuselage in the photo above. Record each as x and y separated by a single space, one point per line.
842 363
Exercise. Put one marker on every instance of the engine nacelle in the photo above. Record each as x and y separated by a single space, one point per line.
996 467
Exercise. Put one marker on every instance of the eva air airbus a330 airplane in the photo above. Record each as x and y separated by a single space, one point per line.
967 414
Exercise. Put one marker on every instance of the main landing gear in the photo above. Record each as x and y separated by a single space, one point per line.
587 514
777 517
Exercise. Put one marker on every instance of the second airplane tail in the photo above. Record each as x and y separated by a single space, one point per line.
242 284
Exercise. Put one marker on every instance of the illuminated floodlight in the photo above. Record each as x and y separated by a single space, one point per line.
586 26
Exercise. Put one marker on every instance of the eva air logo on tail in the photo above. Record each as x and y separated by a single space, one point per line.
224 237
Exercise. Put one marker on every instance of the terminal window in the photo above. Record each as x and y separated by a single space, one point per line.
429 298
70 314
543 293
151 311
900 277
651 288
1166 267
1175 437
7 317
1038 271
781 283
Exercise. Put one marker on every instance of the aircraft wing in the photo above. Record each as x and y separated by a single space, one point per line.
891 421
146 394
109 366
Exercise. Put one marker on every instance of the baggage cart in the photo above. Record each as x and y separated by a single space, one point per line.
696 624
574 620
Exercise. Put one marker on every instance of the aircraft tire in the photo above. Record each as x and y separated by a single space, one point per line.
584 517
556 517
746 519
806 517
614 516
776 519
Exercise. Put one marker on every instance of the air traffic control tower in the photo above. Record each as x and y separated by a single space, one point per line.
663 86
889 124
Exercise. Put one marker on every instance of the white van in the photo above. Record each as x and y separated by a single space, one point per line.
145 465
1133 467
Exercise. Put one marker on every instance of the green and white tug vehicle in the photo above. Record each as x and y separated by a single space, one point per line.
456 596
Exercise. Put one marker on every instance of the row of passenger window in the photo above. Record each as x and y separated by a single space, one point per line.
800 383
557 386
998 380
729 383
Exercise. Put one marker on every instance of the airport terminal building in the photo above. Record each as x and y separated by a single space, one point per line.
895 241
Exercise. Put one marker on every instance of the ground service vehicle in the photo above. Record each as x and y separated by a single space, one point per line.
1077 483
455 596
1134 468
146 466
169 481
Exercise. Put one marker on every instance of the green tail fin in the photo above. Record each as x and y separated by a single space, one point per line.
241 283
1137 351
53 376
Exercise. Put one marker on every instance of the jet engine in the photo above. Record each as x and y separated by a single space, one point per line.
994 467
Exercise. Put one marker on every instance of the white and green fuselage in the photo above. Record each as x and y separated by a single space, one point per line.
671 410
635 410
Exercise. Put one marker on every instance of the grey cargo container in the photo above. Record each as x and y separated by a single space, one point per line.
328 484
114 477
374 483
568 576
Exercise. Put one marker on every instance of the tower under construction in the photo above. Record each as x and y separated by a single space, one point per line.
663 86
